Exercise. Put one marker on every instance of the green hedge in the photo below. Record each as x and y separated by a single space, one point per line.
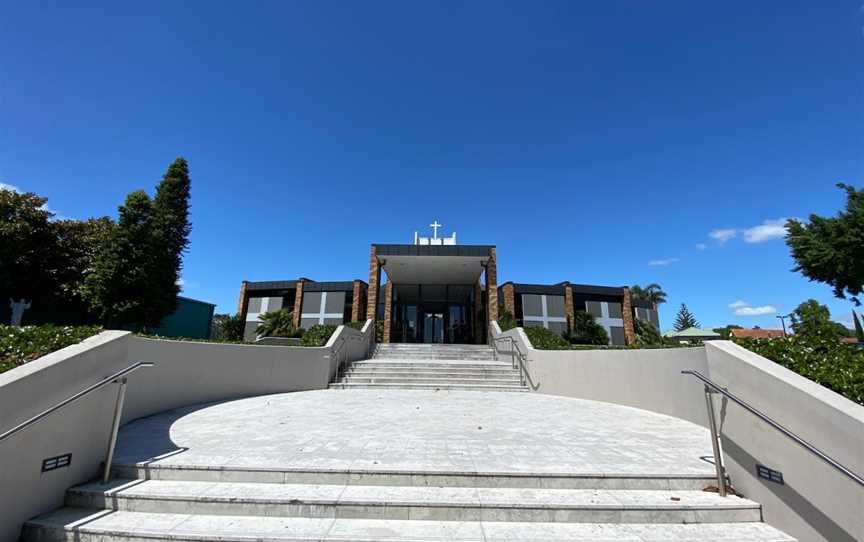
543 339
355 325
317 335
18 345
831 363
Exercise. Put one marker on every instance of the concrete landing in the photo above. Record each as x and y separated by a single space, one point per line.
408 431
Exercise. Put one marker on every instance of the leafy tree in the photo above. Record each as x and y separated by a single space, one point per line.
812 319
646 333
859 329
652 293
228 327
276 324
171 229
830 250
584 329
685 319
120 286
27 243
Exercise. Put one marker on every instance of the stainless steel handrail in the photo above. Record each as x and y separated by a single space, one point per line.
515 353
119 378
709 384
337 349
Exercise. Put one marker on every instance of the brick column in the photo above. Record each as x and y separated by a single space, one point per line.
356 300
479 314
388 314
568 305
627 314
374 285
492 285
298 303
509 293
243 303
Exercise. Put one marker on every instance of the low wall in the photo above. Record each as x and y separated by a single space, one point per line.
815 503
186 373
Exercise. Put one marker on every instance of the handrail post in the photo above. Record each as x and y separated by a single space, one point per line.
719 467
115 428
513 351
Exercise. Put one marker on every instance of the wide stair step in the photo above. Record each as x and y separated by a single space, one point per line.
415 502
77 525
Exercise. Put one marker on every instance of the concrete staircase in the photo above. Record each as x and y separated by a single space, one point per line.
200 502
432 366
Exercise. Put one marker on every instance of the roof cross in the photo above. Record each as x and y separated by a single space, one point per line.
435 225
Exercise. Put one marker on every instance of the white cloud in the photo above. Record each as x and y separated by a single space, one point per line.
768 230
722 235
667 261
738 304
13 188
742 308
701 246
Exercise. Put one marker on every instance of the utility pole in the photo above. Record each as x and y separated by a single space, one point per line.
783 322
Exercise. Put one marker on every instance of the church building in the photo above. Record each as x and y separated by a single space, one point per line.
437 291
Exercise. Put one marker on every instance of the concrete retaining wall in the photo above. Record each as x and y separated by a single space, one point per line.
186 373
815 503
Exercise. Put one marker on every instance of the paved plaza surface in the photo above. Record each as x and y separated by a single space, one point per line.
420 431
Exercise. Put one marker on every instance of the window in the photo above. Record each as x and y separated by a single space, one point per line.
544 310
609 316
322 308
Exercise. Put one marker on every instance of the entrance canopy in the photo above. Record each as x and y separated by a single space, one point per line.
418 264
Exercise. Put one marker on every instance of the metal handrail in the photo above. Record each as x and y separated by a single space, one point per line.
515 353
776 425
337 349
119 378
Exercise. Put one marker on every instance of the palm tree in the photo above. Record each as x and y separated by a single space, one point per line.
276 324
652 293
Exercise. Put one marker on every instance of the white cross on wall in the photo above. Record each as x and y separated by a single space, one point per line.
435 225
606 322
321 315
545 318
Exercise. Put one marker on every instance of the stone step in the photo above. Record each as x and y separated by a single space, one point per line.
430 364
442 372
407 477
431 346
415 379
413 502
441 386
412 357
82 525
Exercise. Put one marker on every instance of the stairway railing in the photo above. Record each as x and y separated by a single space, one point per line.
117 378
712 387
517 357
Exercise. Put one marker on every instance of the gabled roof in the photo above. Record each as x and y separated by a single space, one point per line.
757 333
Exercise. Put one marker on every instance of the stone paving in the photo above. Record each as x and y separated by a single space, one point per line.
421 431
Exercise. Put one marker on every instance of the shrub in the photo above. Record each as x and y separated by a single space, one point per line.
317 335
585 330
379 331
228 328
506 320
276 324
18 345
355 325
543 339
646 333
829 362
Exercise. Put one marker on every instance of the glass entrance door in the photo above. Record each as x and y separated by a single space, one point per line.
433 327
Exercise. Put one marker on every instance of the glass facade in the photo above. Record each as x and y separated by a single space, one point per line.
434 313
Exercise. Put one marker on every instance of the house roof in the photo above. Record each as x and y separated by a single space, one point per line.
692 332
757 333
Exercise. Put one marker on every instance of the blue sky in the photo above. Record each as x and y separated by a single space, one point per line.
598 143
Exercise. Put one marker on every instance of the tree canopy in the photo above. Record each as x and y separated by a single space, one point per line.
831 250
652 293
813 319
685 319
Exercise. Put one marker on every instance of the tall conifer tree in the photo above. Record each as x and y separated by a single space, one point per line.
685 319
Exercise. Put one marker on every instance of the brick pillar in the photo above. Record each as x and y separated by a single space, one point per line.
298 303
568 305
356 300
388 315
627 314
374 285
509 293
243 303
479 314
492 285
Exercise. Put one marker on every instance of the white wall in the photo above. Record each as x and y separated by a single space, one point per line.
817 503
186 373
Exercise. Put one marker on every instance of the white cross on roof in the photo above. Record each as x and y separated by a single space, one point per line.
435 225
